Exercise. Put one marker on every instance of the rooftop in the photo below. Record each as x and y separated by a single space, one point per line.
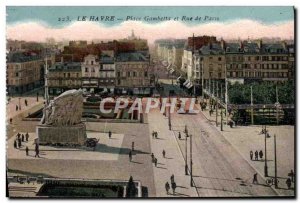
130 56
19 57
66 66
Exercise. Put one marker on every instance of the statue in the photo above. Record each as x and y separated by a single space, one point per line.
61 122
65 110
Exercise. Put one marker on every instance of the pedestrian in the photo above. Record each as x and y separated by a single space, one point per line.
179 135
153 134
17 108
109 134
291 175
156 135
288 183
261 154
25 101
132 146
27 151
15 144
164 153
10 120
255 179
23 138
18 135
256 155
152 156
251 154
167 186
172 178
173 187
27 137
19 142
37 151
155 162
130 156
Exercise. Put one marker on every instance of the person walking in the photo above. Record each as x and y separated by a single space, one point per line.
256 155
37 151
155 162
172 178
130 156
179 135
23 138
167 186
291 175
251 155
288 183
156 135
173 187
19 142
17 108
15 144
261 154
152 157
27 151
27 137
255 179
109 134
164 153
25 101
153 134
132 146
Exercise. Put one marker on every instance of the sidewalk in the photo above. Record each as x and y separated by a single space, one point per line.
172 164
247 138
15 101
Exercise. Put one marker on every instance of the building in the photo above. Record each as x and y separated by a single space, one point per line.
63 76
25 71
107 76
132 73
241 62
139 44
90 68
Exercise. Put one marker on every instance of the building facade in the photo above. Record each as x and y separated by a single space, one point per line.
25 71
132 73
63 76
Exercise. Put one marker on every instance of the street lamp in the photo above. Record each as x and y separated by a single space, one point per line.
20 103
191 160
186 136
266 165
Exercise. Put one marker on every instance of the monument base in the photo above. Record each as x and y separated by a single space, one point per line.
65 135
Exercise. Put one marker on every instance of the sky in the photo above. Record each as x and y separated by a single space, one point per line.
38 23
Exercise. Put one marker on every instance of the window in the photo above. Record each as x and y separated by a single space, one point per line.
69 75
64 75
17 74
92 62
77 75
93 70
134 74
119 74
86 70
128 74
146 74
220 59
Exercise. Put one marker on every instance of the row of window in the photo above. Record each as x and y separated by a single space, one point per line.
240 74
132 74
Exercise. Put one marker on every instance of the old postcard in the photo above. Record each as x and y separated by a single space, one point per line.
150 102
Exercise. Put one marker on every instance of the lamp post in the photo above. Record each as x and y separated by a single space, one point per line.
186 136
191 160
266 165
276 182
20 103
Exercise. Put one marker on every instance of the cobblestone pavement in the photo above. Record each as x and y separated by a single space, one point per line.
247 138
140 168
173 163
218 168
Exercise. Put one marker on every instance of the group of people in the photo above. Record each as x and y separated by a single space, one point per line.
19 107
256 154
154 134
19 139
173 185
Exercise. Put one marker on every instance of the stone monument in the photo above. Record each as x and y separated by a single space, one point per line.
61 121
